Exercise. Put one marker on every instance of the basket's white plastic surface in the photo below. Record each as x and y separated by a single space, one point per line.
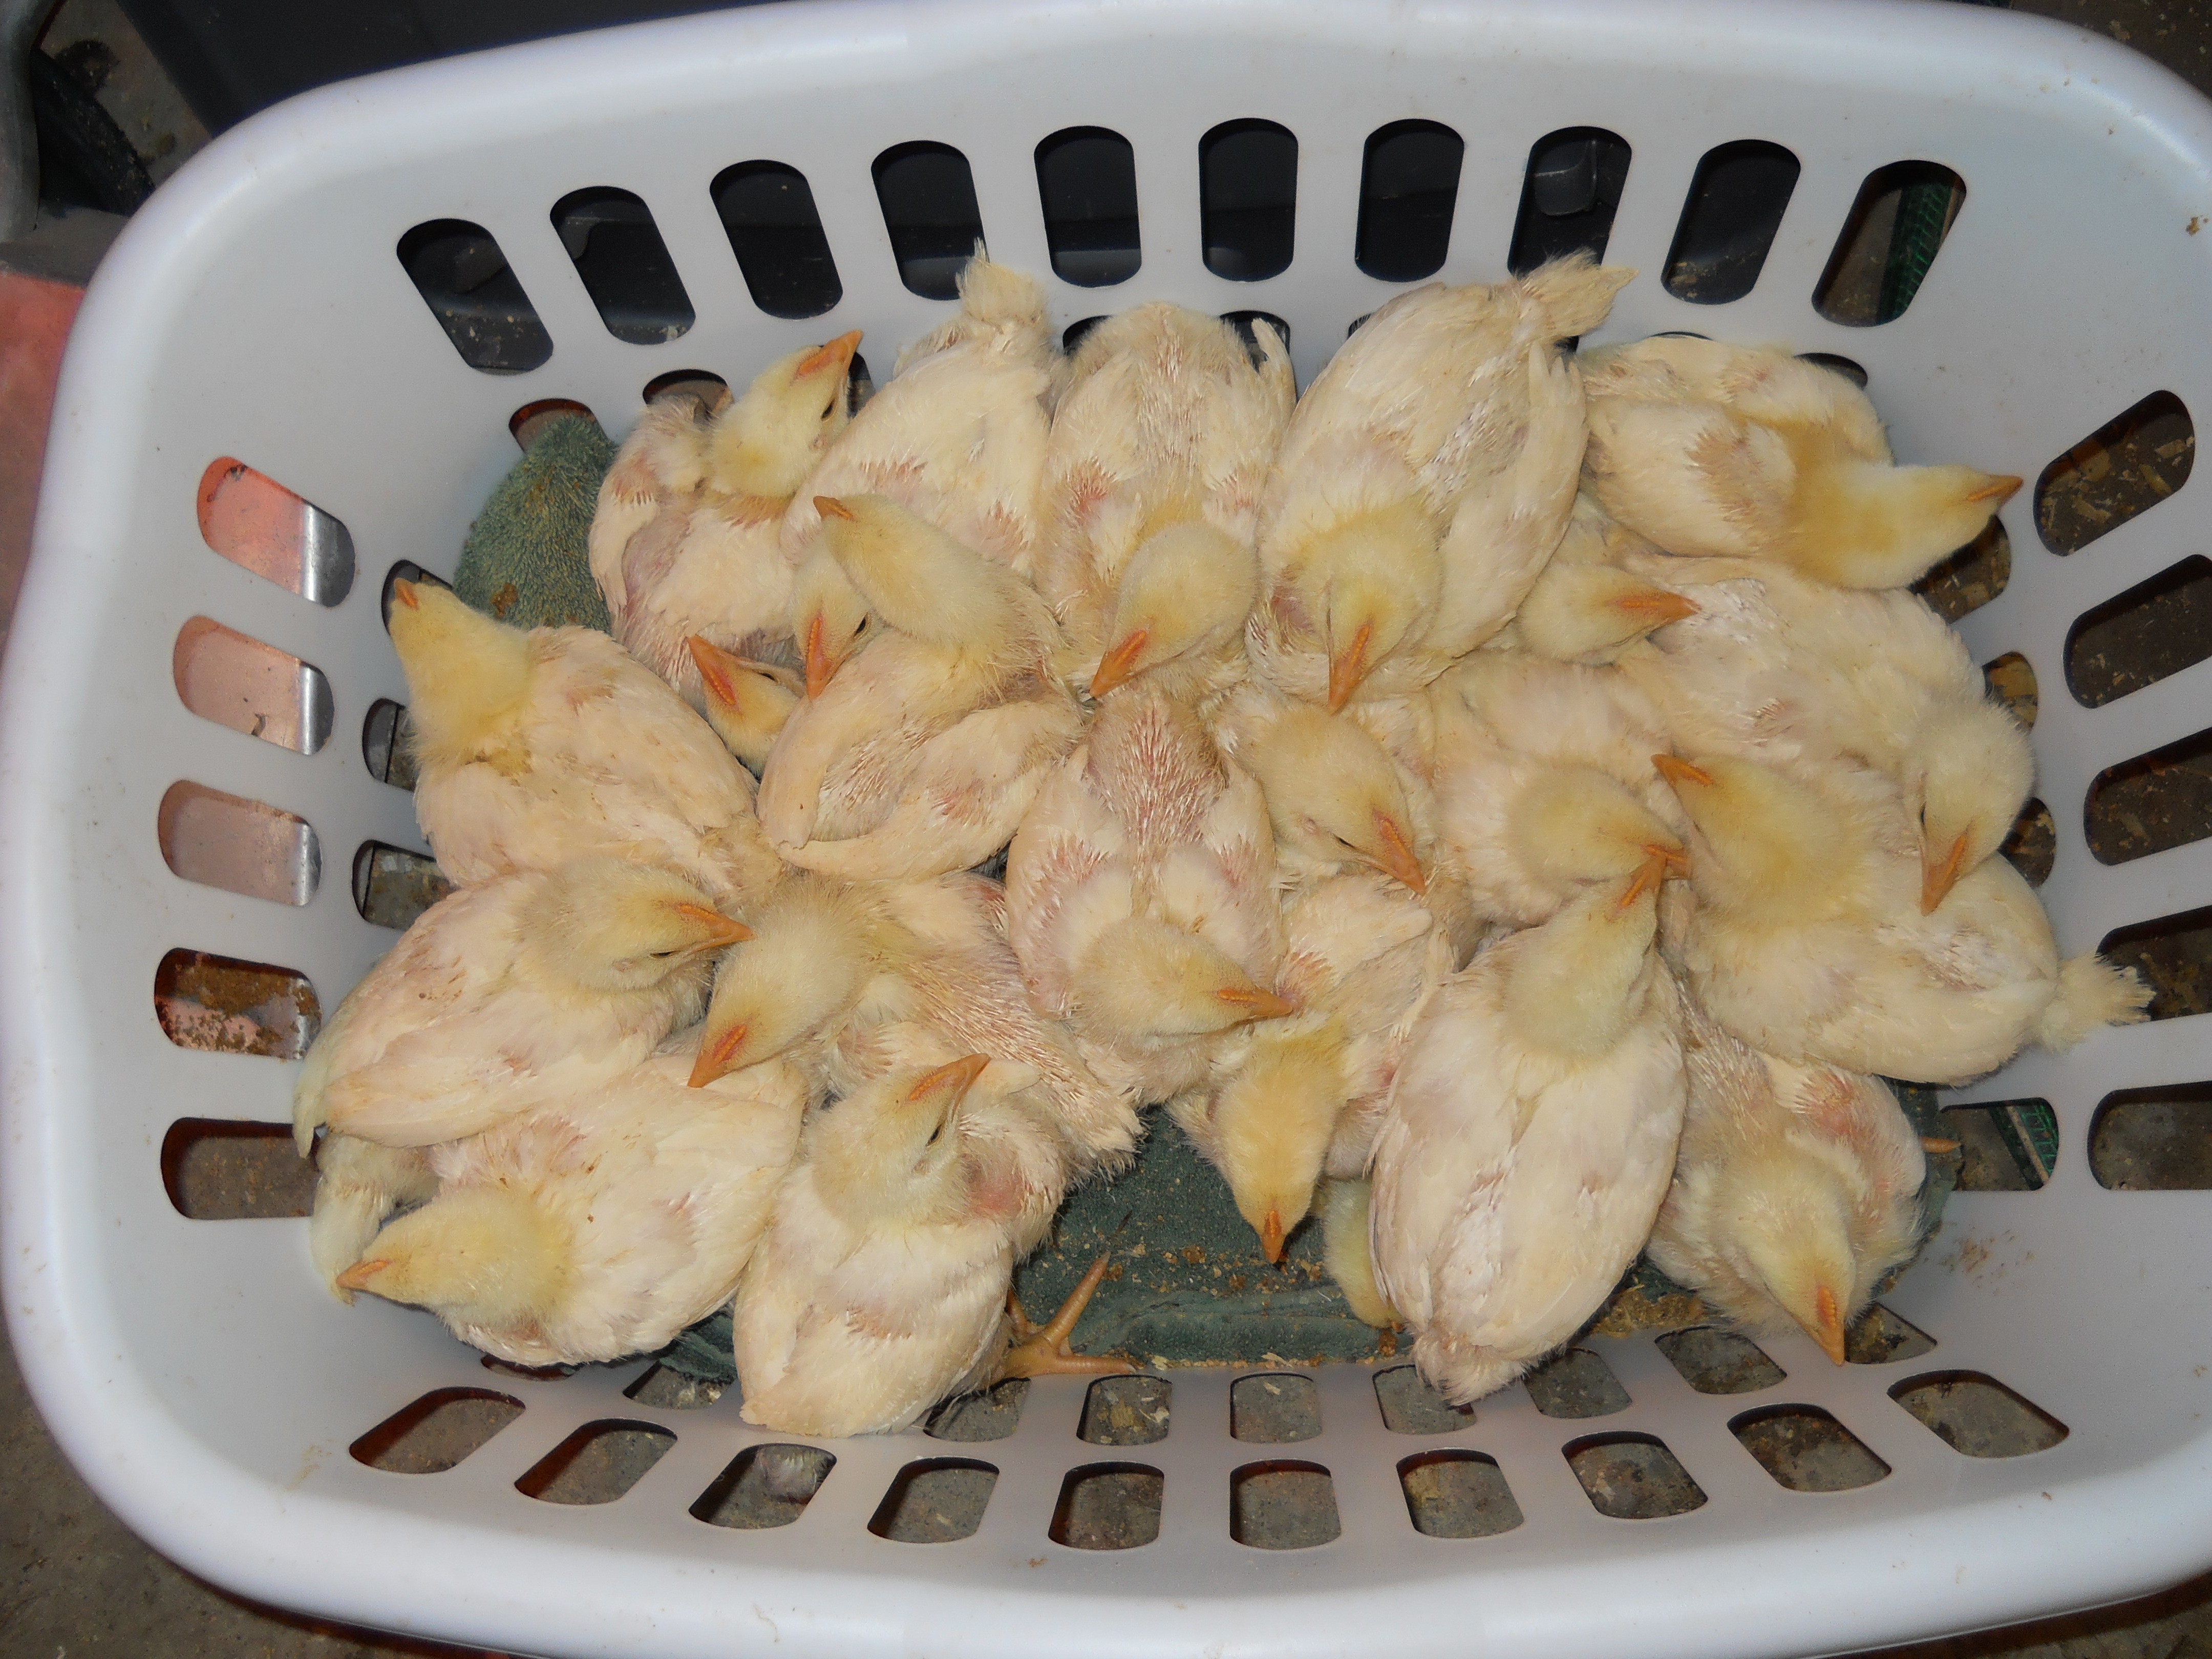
208 1390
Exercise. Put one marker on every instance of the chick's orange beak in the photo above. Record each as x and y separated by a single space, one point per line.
954 1080
1348 667
717 1056
835 355
1678 771
1398 858
2000 489
1117 665
1257 1004
1676 860
1828 1328
1656 608
830 508
357 1277
1271 1235
820 670
1938 876
719 929
403 590
714 669
1649 874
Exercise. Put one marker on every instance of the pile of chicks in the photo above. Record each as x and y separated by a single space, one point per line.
1503 802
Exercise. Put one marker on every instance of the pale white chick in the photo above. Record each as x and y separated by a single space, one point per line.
746 703
957 436
841 977
1159 449
532 748
358 1184
1337 798
881 1285
924 752
1297 1101
1425 478
510 994
673 560
1774 667
1797 1189
1526 1148
1808 941
600 1225
1714 449
1140 895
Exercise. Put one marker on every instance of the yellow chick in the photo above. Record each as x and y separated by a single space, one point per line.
1714 449
600 1225
1544 782
1777 668
505 996
1159 449
1809 943
1795 1190
957 436
746 703
840 977
1344 1252
1140 895
1425 478
1528 1144
1584 607
1298 1100
1337 798
925 752
358 1184
711 560
532 748
881 1285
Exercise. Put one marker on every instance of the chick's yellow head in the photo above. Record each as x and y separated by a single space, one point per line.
1334 795
918 579
1577 823
1975 772
1271 1124
891 1151
1592 612
465 673
1188 587
828 619
1765 843
1788 1228
806 963
606 925
766 442
746 703
1370 581
1145 979
483 1255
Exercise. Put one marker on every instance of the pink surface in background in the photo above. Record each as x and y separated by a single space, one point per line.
34 324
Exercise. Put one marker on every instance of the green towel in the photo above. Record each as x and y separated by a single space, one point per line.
525 560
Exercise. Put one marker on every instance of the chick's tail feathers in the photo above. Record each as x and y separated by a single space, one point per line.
2092 993
1463 1371
1576 293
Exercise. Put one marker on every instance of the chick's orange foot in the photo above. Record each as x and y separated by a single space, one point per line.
1042 1350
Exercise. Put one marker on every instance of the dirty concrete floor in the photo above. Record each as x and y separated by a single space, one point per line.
74 1582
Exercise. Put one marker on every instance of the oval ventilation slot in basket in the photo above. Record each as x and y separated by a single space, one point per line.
2031 845
1805 1448
1125 1410
938 1500
1569 196
991 1413
1457 1494
2151 804
2010 679
1410 1405
1274 1409
1714 1361
1242 321
1408 191
928 198
610 237
710 389
258 525
236 681
438 1431
1248 189
1576 1384
2120 471
597 1464
1848 367
406 570
1881 1337
458 269
2173 956
391 886
1087 187
1962 582
1072 337
220 1004
529 423
1735 205
768 212
1283 1505
1903 213
1108 1506
2136 639
387 743
2153 1140
2008 1146
241 846
764 1486
220 1170
1977 1415
1633 1477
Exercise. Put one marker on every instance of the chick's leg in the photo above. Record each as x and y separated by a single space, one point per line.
1042 1350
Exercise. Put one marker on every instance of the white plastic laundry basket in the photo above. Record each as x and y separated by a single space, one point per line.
255 309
